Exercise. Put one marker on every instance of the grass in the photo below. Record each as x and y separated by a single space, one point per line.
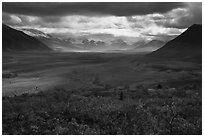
102 111
9 75
101 94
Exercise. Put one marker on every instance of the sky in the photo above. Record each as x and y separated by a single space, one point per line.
133 21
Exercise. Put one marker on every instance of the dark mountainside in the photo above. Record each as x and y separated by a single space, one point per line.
14 40
187 45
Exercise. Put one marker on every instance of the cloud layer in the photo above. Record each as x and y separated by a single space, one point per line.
139 20
89 8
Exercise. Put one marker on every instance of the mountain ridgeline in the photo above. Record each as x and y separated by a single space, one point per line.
187 45
14 40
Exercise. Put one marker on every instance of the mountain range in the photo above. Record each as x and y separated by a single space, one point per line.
186 45
70 44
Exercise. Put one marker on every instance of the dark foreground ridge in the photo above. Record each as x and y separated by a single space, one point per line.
186 45
14 40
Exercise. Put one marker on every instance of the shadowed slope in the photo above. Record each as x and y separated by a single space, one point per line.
186 45
14 40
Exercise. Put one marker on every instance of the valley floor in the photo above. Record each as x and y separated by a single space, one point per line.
100 93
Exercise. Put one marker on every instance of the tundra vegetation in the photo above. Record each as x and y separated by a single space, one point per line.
106 110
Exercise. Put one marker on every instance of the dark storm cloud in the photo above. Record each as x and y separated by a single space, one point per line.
89 8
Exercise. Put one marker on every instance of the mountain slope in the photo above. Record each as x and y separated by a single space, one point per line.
186 45
14 40
35 33
52 42
151 46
